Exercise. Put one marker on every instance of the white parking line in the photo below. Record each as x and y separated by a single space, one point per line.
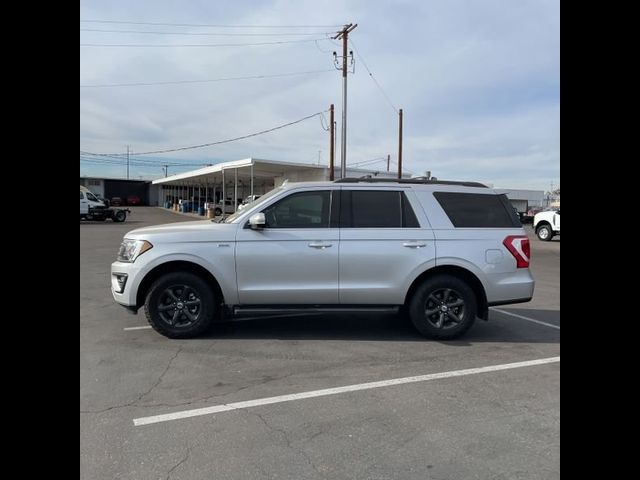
138 328
526 318
333 391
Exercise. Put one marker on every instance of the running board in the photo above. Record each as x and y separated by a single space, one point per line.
239 310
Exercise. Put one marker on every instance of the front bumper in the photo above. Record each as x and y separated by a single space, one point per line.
128 295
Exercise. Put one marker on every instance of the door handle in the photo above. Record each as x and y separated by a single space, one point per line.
414 244
320 245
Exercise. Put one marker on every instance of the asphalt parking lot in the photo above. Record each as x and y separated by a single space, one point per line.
488 424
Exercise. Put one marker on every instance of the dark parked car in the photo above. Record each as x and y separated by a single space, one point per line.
116 201
133 200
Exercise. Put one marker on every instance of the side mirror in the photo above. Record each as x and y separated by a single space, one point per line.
257 221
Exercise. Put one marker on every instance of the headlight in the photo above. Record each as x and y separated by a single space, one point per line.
132 249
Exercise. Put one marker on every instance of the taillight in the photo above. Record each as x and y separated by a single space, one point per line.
519 247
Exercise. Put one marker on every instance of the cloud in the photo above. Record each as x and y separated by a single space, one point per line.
478 82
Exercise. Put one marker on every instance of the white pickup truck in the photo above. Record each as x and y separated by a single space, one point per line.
92 208
546 224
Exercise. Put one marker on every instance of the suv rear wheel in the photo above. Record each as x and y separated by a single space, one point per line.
443 307
180 305
544 233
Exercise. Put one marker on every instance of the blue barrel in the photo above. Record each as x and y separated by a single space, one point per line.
167 204
184 207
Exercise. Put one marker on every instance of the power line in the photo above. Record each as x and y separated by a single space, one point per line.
367 162
207 25
197 44
224 141
120 158
110 162
372 77
323 121
179 82
225 34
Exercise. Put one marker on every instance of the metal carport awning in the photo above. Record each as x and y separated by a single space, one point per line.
246 171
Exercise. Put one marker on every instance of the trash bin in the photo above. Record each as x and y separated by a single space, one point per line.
210 213
201 211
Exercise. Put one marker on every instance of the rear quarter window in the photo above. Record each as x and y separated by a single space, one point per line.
477 210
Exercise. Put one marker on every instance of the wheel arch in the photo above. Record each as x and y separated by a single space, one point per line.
460 272
177 266
542 223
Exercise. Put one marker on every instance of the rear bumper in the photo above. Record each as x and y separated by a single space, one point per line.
507 288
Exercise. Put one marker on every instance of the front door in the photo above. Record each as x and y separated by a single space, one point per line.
294 258
84 204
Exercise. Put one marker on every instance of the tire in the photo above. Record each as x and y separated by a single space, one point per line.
120 216
446 297
162 305
544 233
218 212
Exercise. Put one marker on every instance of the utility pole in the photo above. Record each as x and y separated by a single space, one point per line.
331 143
127 162
400 146
344 35
388 160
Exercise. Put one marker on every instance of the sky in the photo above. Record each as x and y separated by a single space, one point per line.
478 82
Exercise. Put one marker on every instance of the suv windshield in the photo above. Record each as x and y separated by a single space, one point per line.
259 201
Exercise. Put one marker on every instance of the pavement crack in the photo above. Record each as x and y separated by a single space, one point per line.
160 377
217 395
142 395
184 459
285 437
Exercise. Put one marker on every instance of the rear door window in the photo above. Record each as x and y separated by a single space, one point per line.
476 210
376 209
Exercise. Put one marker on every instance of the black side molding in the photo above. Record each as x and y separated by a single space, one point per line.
509 302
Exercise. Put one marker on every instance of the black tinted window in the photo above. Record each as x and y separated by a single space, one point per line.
300 210
478 210
376 209
409 219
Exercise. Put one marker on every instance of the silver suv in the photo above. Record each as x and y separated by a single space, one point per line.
441 252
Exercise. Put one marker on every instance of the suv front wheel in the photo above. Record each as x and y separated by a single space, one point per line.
180 305
443 307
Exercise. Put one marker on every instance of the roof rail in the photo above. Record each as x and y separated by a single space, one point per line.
422 181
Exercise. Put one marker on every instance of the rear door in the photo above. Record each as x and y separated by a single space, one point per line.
384 239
